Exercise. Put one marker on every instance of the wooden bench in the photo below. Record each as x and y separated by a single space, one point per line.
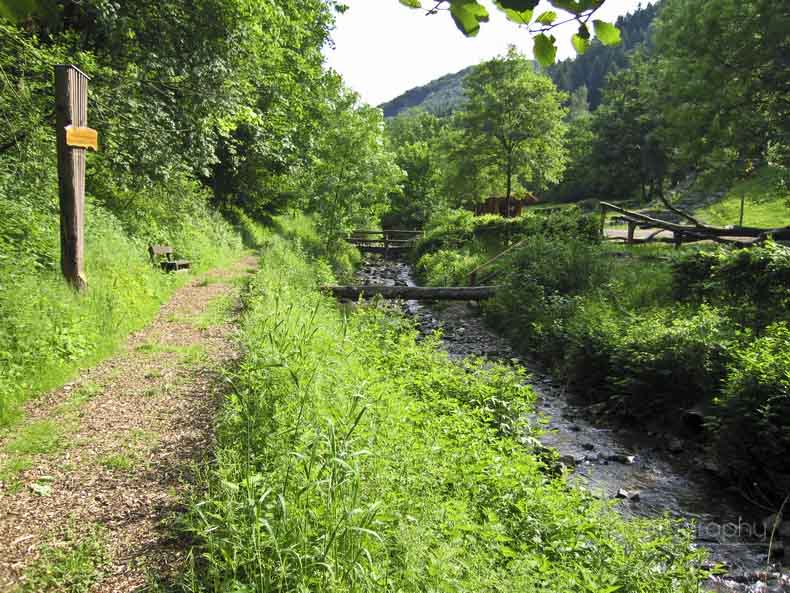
164 256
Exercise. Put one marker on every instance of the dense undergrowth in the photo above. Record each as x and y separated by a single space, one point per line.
49 331
653 333
353 457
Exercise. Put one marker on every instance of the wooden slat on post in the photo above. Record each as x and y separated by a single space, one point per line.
73 137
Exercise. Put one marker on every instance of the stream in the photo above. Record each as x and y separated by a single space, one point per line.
654 474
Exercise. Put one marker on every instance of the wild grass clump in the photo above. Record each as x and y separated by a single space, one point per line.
352 457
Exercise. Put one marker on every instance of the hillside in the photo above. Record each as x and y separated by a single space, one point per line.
443 95
440 96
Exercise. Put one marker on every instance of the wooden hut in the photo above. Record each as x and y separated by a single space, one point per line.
499 205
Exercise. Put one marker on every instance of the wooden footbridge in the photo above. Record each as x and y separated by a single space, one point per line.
386 242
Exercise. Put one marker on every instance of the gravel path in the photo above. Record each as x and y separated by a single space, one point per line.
110 456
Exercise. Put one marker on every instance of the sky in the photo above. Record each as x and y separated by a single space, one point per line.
381 48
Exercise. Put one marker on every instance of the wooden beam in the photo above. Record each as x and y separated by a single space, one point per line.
701 231
417 293
71 110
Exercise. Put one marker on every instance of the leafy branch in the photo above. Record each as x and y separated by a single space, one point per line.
469 14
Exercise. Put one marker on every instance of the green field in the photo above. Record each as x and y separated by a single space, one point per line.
766 203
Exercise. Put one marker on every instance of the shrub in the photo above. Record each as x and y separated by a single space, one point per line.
754 283
754 411
447 268
669 360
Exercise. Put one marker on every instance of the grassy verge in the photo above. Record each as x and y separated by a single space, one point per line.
49 332
352 457
766 203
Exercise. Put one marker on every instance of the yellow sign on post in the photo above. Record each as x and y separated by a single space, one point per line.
81 137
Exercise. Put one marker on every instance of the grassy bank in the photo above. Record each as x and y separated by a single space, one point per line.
49 331
353 458
766 202
652 333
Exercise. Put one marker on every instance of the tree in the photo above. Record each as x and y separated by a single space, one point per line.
415 138
628 153
353 172
723 70
512 127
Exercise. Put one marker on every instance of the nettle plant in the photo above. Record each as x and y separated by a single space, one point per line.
468 14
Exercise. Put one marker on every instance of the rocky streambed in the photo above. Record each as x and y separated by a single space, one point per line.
653 474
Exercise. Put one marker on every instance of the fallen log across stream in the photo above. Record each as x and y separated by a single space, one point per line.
417 293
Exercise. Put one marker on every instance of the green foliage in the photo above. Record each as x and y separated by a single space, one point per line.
448 267
354 458
468 14
752 418
457 229
301 230
565 300
711 124
628 153
415 137
753 282
511 132
354 172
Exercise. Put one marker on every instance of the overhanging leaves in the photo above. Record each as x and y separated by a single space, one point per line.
606 32
576 6
468 15
547 18
545 49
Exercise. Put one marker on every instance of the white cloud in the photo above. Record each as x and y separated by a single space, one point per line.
383 48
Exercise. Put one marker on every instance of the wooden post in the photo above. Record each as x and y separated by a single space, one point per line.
603 219
73 137
631 229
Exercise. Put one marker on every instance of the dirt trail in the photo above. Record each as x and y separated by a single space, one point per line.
109 457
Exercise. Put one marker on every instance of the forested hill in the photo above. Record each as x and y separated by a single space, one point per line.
443 95
440 96
592 68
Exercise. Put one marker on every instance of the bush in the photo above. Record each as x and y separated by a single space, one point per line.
754 283
447 268
457 228
669 360
754 412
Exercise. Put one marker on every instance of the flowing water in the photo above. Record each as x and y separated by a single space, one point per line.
654 474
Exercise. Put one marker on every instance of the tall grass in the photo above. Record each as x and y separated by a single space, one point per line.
352 457
48 331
